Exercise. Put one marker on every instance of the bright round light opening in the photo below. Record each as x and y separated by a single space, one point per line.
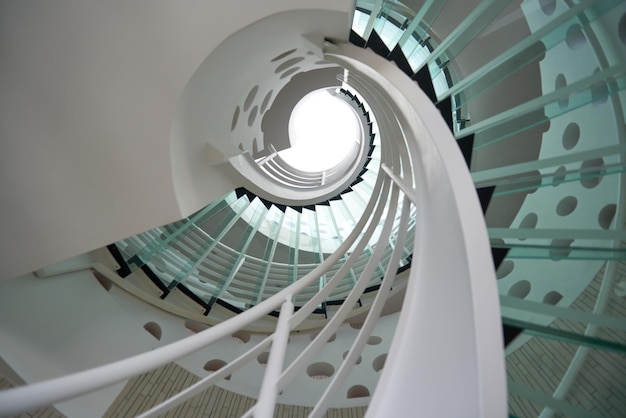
323 130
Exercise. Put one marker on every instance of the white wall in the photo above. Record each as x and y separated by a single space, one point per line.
55 326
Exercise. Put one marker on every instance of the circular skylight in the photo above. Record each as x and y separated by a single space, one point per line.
323 129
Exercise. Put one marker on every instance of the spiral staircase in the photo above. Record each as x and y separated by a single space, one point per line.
498 113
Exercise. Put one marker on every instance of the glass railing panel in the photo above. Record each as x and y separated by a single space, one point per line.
597 387
373 10
330 236
611 294
273 217
294 245
527 402
415 38
396 25
338 240
137 243
365 188
221 256
550 33
130 247
217 209
550 106
345 222
411 17
388 22
463 34
579 324
566 353
416 51
359 22
223 228
378 273
315 234
483 20
183 249
588 172
359 196
248 274
597 311
352 206
537 369
166 265
155 246
256 212
559 249
190 241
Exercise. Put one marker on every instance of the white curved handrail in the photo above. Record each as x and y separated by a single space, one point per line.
456 349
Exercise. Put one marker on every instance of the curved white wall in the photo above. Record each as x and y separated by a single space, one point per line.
241 72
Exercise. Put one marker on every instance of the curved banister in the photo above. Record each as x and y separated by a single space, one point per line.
445 186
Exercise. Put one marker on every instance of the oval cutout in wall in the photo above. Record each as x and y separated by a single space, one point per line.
358 391
358 360
505 269
214 365
591 172
559 176
153 329
195 326
289 72
241 337
252 115
560 83
283 55
575 38
552 298
233 123
250 98
379 362
571 136
266 101
263 357
105 282
529 221
374 340
289 63
560 248
607 213
320 371
520 289
566 206
548 6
